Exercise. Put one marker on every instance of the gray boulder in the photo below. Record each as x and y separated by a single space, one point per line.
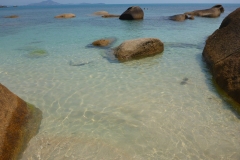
132 13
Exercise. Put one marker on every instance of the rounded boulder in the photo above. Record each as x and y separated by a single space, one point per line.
132 13
138 48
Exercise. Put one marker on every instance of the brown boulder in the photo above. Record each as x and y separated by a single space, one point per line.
213 12
12 16
179 17
103 42
65 15
222 54
132 13
19 122
138 48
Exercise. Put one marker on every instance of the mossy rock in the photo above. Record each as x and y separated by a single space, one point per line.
37 53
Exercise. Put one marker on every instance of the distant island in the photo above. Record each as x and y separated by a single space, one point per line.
6 6
45 3
51 3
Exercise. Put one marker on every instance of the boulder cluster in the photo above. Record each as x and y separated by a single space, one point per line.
132 13
222 50
19 121
213 12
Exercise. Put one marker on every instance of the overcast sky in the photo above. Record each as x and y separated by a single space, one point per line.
24 2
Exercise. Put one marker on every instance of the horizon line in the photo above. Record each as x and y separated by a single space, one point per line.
126 3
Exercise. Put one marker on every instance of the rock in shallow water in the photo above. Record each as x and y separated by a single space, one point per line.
138 48
222 54
37 53
19 122
79 63
65 15
103 42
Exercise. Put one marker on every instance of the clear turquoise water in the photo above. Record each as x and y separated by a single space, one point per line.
108 110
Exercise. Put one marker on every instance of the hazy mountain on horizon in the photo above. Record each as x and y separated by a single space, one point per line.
45 3
51 3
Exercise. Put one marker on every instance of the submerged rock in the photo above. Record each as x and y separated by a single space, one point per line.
79 63
65 15
222 54
138 48
19 122
37 53
213 12
184 81
101 13
12 16
110 16
132 13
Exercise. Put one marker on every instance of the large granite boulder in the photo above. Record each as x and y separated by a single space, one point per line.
19 122
222 54
213 12
132 13
138 48
65 15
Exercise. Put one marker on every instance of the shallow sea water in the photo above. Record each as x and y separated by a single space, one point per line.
162 107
